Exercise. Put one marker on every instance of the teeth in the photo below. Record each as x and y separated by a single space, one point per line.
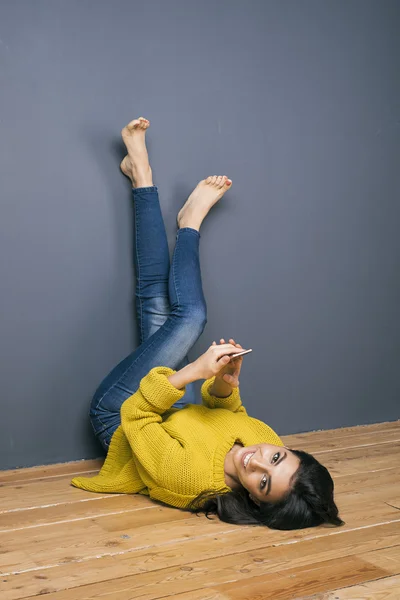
247 458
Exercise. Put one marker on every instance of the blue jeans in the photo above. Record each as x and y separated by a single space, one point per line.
171 312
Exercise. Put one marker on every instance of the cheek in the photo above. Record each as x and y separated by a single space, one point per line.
245 481
251 484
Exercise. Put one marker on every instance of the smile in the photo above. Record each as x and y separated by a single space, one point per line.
246 458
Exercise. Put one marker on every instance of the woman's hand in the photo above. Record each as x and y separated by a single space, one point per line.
229 374
216 359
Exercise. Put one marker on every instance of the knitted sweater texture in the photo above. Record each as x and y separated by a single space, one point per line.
173 455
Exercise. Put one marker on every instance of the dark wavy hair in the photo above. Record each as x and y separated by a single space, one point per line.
308 503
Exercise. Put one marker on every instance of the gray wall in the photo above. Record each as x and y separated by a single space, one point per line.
298 101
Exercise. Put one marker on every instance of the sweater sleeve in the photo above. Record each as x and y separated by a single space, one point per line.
232 402
141 420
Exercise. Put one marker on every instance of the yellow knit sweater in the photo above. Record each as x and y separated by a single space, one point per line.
173 455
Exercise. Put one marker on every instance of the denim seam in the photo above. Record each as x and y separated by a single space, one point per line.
138 271
101 423
173 271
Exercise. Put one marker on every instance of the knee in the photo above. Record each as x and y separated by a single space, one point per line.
198 316
195 317
199 319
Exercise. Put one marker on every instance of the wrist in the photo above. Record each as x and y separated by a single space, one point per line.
197 370
188 374
220 388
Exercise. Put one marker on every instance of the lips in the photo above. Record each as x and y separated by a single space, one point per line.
246 458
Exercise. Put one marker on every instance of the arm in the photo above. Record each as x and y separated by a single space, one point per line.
214 393
141 415
140 435
222 391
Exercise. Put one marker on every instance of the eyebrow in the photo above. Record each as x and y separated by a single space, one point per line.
269 478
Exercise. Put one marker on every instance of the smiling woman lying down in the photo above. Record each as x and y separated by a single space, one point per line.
210 457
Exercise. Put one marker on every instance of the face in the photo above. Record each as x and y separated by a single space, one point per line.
265 471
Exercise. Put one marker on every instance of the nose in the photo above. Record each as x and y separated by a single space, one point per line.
257 462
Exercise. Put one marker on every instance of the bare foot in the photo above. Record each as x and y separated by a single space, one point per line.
136 165
203 197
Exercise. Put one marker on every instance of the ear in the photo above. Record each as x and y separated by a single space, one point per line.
254 500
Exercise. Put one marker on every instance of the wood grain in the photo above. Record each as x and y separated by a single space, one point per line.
62 543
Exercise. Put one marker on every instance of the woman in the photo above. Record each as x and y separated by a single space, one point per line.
210 458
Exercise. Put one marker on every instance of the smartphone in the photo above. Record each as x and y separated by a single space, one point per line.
240 353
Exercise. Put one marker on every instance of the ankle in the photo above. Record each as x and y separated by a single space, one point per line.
142 183
190 223
142 178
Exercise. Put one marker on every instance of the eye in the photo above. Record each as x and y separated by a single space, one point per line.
263 482
275 457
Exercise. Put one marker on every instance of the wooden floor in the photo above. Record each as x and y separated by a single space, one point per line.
64 543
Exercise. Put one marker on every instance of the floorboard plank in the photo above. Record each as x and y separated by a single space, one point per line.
62 513
42 493
387 588
356 460
366 480
361 440
50 471
323 436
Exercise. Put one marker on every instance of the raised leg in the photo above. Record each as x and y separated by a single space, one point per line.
151 257
166 335
151 254
168 346
152 264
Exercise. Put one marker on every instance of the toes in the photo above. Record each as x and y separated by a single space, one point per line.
140 123
133 124
218 181
144 123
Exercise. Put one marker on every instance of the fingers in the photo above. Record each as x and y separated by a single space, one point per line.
224 346
224 349
231 341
